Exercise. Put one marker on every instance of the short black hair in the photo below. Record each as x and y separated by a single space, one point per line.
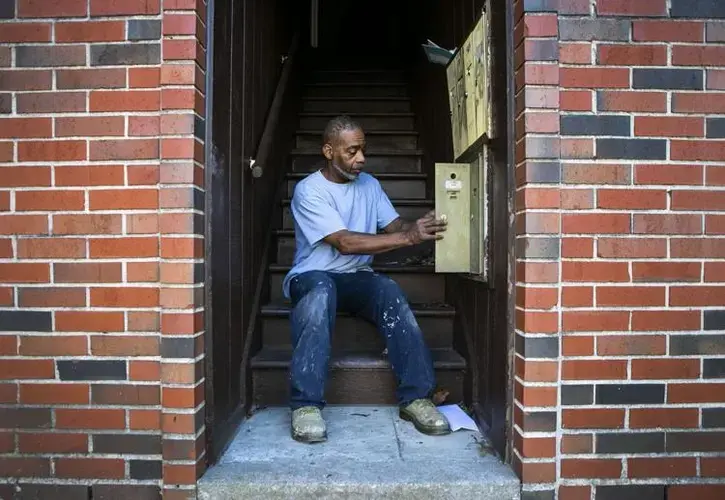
338 125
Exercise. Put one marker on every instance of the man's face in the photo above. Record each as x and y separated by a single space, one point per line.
348 153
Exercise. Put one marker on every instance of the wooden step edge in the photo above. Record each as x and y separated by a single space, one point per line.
433 310
412 202
356 98
383 268
268 358
358 69
353 83
367 132
368 152
388 176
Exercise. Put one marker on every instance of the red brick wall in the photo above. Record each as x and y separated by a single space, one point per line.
100 303
620 363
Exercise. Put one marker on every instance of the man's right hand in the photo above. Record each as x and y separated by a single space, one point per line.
426 228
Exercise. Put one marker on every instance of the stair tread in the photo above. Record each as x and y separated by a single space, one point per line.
356 98
356 69
396 114
371 453
353 83
282 309
280 358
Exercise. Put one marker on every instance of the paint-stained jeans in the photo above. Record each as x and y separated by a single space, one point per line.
316 297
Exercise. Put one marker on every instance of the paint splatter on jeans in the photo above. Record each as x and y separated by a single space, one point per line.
316 297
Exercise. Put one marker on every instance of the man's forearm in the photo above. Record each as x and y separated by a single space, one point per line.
350 243
399 225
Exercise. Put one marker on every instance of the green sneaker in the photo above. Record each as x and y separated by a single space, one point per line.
426 417
308 425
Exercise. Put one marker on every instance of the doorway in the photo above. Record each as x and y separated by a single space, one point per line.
258 44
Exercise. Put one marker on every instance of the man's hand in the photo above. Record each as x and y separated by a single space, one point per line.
426 228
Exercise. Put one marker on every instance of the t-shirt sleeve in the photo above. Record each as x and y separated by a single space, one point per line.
315 216
386 211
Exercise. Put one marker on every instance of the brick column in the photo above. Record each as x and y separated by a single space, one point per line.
181 203
537 202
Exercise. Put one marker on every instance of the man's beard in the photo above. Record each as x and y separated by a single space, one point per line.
347 175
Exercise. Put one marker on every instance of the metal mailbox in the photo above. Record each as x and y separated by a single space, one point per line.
460 198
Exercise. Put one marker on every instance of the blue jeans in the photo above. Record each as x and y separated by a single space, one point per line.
316 297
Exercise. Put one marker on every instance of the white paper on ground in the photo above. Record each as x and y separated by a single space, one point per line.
457 418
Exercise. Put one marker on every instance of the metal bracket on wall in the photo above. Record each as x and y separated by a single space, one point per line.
254 167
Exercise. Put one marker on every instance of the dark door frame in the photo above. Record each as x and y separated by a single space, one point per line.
219 433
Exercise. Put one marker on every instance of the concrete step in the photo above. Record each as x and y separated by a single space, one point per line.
354 377
370 454
369 121
408 209
420 284
355 334
357 104
403 186
418 254
376 160
355 89
376 139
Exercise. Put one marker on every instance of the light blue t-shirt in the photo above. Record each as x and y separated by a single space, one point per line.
321 207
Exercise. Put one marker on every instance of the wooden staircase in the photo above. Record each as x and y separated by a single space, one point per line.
359 372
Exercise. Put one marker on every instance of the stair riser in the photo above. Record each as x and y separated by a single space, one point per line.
406 212
355 91
380 122
418 287
356 76
373 141
354 334
405 189
271 386
356 106
373 163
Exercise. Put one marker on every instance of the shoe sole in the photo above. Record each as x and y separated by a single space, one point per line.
309 439
421 428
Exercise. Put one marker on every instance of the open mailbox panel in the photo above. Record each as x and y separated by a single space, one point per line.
467 79
461 187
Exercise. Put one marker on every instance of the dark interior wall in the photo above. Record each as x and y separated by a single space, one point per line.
249 39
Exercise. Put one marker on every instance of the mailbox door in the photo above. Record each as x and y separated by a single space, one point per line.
461 197
453 202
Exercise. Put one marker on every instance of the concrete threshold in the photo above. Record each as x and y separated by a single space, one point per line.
370 454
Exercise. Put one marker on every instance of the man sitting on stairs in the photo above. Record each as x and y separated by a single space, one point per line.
337 212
